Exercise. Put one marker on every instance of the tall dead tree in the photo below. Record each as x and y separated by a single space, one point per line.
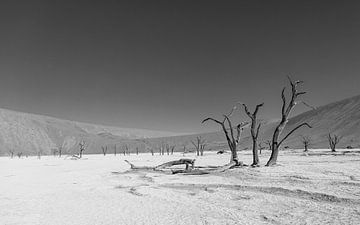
306 141
285 113
231 138
115 150
82 147
333 141
254 130
104 150
137 150
199 145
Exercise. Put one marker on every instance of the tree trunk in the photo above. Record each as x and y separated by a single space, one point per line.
234 155
255 154
274 154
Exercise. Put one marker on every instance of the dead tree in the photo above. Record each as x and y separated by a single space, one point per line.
188 162
306 141
19 154
11 153
115 150
333 141
162 148
60 151
285 113
167 147
170 149
199 145
268 143
190 168
104 150
261 147
127 149
39 154
232 139
82 148
254 130
152 151
55 151
137 150
184 149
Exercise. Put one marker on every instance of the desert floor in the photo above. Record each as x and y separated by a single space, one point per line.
317 188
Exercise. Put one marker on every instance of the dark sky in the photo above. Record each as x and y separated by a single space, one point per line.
166 65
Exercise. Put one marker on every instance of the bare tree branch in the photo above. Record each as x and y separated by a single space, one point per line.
216 121
293 130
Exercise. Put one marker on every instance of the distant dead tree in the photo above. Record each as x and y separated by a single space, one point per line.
60 148
306 141
268 143
19 154
232 138
104 150
126 149
333 141
285 113
199 145
167 147
39 153
115 150
147 145
55 151
254 130
137 150
184 149
261 147
82 147
11 153
162 148
172 149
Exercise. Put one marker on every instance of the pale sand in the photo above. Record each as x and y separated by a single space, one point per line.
100 190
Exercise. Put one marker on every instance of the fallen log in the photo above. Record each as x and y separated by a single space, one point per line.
132 166
190 172
190 168
187 162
